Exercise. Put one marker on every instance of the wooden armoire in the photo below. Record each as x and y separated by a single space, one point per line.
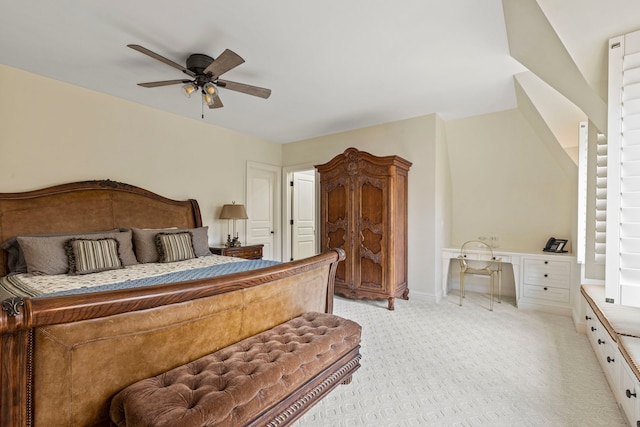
363 206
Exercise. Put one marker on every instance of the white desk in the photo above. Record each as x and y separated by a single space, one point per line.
541 279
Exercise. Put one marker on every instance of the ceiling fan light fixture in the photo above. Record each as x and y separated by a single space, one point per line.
210 88
207 98
189 89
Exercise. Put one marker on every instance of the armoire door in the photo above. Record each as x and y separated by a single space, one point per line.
371 233
336 210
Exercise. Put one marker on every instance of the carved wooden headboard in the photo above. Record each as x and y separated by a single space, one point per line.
90 206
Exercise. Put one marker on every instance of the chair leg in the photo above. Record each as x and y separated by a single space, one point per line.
499 286
461 287
491 292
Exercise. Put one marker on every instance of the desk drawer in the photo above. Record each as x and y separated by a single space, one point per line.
547 273
547 293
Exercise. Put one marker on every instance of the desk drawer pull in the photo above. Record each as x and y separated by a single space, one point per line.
629 394
610 360
593 329
587 318
600 341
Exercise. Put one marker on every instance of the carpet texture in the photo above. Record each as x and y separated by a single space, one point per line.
428 364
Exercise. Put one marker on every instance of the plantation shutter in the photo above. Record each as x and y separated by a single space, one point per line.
601 200
622 282
583 165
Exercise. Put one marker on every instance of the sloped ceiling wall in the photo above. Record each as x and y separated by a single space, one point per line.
536 45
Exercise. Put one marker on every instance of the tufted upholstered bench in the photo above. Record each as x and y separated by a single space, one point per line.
271 378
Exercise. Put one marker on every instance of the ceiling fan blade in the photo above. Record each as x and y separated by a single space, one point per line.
163 83
217 103
244 88
223 63
161 58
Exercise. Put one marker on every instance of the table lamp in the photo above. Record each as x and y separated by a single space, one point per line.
233 212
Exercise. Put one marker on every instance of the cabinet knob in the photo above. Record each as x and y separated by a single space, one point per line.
600 341
546 275
593 329
545 288
610 360
629 394
546 262
587 318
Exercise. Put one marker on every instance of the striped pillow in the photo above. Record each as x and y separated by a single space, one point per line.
174 247
93 255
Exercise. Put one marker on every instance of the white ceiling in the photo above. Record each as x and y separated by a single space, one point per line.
332 65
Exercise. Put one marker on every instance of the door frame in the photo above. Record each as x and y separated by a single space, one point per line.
287 174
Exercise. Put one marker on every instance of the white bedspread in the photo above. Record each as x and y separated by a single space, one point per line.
34 285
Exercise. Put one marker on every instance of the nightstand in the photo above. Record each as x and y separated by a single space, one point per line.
248 252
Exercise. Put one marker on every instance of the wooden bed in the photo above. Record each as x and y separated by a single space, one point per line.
63 358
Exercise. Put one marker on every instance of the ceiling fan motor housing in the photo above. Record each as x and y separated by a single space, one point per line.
198 62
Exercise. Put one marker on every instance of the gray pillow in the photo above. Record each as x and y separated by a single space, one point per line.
47 255
15 259
144 241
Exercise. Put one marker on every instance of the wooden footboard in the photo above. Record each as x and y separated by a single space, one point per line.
64 357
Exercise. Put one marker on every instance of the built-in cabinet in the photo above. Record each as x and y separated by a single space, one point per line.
605 349
542 280
547 280
613 338
363 210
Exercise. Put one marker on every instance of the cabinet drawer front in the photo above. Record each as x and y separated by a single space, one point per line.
628 382
547 293
247 253
547 273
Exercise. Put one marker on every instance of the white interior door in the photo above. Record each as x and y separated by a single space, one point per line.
303 242
263 208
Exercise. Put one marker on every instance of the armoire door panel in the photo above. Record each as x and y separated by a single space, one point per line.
371 241
337 201
371 275
335 217
372 201
337 239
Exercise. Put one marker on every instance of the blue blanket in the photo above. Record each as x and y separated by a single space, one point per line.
179 276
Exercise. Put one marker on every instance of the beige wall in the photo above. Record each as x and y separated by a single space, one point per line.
53 132
507 183
485 175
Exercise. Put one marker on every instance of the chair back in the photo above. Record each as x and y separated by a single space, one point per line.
477 255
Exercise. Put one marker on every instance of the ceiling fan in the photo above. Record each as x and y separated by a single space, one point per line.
205 73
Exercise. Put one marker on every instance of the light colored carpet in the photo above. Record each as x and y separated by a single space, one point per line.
446 365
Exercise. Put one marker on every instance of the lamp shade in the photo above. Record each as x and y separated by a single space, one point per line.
233 211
